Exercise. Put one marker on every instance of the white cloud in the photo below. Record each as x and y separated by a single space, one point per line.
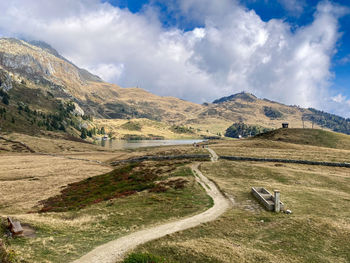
108 72
296 7
339 98
234 50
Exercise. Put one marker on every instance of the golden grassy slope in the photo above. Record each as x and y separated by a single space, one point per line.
313 137
65 236
97 97
318 230
251 112
149 128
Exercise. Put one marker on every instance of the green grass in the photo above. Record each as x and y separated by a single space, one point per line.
317 230
65 236
124 181
131 126
313 137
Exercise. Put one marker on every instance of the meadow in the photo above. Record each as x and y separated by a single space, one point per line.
74 201
30 182
318 230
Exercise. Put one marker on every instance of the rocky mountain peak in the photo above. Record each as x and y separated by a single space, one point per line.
38 62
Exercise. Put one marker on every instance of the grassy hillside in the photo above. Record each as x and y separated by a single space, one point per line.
313 137
37 76
145 128
316 231
120 208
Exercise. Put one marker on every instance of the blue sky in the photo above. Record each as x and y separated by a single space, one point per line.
267 10
296 52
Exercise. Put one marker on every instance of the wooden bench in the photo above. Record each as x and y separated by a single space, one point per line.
14 226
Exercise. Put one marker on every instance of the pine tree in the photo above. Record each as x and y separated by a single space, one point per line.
83 134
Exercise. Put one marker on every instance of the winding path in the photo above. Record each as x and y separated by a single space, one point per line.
115 250
214 157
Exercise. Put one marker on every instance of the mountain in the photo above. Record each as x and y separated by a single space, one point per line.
40 89
40 66
243 96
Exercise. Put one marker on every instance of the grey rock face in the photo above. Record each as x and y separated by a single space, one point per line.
5 81
78 111
23 64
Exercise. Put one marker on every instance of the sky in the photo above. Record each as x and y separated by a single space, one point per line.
295 52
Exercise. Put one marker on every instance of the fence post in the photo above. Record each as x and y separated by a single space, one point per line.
277 201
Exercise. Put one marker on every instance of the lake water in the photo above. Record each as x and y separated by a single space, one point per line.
132 144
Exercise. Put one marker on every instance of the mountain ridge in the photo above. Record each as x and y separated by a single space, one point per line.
39 67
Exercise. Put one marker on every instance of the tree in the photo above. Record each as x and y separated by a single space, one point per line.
83 134
5 99
244 130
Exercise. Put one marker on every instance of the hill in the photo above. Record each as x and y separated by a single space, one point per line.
314 137
34 75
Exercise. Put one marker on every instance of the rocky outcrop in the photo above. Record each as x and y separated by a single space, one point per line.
5 81
78 111
41 64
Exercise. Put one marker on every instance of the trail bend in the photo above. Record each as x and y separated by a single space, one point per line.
115 250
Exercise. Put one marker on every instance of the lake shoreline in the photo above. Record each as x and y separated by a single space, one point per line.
134 144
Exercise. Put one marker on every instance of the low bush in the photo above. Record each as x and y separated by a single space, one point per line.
240 129
143 258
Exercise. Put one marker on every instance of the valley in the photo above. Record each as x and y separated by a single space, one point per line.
44 92
36 191
182 203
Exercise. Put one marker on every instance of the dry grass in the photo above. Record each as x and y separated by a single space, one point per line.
282 150
315 137
62 237
318 230
27 179
148 128
52 143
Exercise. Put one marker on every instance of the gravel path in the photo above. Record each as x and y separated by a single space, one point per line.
214 156
115 250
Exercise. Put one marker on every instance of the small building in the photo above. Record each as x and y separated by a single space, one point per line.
285 125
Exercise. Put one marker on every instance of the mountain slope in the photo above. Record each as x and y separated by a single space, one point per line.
313 137
36 75
40 66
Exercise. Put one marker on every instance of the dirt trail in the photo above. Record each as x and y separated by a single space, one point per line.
214 156
115 250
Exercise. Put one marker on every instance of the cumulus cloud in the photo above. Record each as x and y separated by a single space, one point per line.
232 49
296 7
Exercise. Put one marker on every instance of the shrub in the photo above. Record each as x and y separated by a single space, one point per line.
131 126
181 129
5 97
83 134
244 130
143 258
272 113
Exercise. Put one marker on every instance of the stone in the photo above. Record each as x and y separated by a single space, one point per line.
5 81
